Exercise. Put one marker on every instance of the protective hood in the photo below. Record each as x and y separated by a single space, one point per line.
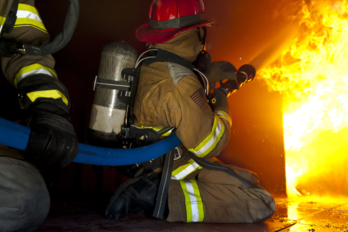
185 45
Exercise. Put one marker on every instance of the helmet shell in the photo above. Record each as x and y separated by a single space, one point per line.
169 18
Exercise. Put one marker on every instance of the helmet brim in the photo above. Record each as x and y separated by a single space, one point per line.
146 34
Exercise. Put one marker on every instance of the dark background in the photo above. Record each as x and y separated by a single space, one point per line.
243 31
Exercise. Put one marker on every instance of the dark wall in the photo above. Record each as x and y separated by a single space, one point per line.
243 29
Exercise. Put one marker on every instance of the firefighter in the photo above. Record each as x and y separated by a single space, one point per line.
24 199
171 95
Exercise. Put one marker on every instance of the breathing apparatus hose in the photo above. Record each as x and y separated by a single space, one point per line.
62 38
17 136
9 48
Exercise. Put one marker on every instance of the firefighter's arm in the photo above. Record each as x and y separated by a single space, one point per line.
43 97
203 132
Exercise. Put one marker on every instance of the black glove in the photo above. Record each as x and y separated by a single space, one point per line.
219 71
223 70
53 142
218 99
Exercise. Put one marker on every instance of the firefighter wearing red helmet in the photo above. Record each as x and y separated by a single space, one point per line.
170 94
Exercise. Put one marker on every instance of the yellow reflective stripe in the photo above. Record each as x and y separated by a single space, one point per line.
28 16
27 7
55 94
193 201
32 70
167 134
185 170
224 115
158 129
187 201
2 20
30 23
199 201
211 140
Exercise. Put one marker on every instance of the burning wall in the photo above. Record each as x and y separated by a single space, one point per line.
312 75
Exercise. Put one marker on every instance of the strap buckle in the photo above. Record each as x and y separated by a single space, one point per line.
21 100
178 153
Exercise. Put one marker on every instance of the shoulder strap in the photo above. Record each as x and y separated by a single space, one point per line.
165 56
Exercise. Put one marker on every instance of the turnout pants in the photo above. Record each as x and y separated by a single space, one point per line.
24 199
217 197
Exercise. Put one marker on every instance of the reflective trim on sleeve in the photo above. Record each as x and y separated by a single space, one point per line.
33 69
157 129
224 115
211 140
55 94
193 201
185 170
2 21
28 16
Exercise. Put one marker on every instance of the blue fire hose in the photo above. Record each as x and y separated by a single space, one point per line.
17 136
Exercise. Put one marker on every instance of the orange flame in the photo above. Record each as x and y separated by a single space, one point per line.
312 75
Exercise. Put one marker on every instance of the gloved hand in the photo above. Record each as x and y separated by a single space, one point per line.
219 71
223 70
52 142
218 99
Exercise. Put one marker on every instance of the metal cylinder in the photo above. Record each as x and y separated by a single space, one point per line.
108 111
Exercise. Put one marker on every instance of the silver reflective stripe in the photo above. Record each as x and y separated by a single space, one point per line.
177 72
188 170
193 199
34 72
212 142
24 14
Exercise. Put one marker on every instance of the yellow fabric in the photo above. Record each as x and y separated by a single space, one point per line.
224 115
31 68
193 201
180 169
211 140
199 201
157 129
29 22
27 7
55 94
187 201
2 20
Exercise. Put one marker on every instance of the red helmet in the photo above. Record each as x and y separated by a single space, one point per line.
169 18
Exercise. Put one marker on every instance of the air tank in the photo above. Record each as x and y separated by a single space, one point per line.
108 110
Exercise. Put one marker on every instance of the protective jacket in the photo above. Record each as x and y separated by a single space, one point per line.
25 204
172 95
28 29
41 94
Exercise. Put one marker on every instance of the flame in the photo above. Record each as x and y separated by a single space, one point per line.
312 75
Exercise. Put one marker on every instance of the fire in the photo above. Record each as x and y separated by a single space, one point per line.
312 75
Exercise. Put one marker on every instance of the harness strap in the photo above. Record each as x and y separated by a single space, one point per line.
165 56
111 84
11 18
162 194
216 167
